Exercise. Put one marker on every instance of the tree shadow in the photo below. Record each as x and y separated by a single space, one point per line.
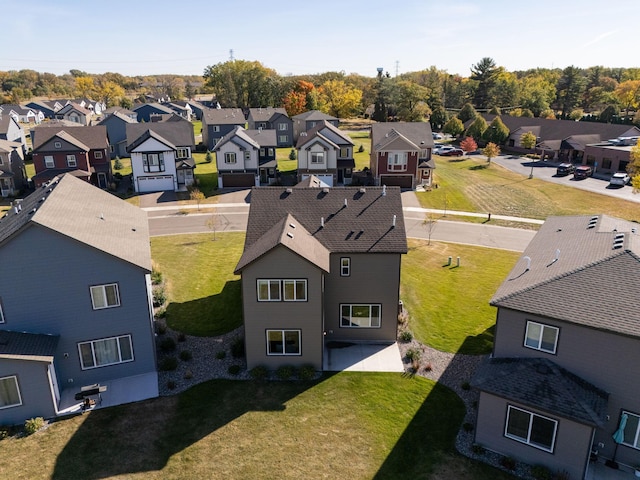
482 166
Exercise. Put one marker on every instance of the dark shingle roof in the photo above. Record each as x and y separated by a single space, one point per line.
313 115
94 137
541 384
264 138
418 133
265 114
223 116
578 254
27 346
326 131
178 133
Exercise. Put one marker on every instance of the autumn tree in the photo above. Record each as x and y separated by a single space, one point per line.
110 93
491 151
497 132
468 144
453 127
528 140
213 223
339 99
241 83
196 195
85 87
628 94
429 224
633 167
477 128
409 100
298 100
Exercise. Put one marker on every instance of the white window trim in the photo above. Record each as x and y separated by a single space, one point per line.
316 158
1 312
345 266
104 292
542 330
283 138
527 440
71 161
57 145
216 128
15 379
283 127
182 152
49 161
93 352
230 158
397 161
97 154
247 155
269 282
370 305
295 290
270 151
636 437
284 352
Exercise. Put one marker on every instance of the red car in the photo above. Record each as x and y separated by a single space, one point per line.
456 152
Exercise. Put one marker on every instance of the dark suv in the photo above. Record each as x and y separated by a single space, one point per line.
582 172
565 169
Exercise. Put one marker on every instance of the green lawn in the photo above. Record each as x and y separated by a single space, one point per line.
284 163
448 305
349 425
126 167
206 173
361 138
471 184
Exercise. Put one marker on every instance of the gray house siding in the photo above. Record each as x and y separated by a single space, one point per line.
117 134
360 287
305 316
572 438
51 303
210 137
599 357
35 395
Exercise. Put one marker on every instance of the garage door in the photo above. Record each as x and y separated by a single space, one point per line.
402 181
158 183
238 180
328 179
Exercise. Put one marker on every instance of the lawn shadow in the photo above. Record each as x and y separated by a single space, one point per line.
482 166
144 436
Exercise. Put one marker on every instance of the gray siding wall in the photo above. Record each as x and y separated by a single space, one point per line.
572 439
374 279
117 133
45 289
33 384
281 263
599 357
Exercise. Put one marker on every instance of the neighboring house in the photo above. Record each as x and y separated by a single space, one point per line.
22 114
566 348
326 152
217 122
145 110
84 255
12 131
81 151
123 111
401 154
161 155
13 176
59 124
308 120
46 107
73 112
246 158
320 266
610 156
196 107
116 125
181 108
272 119
95 107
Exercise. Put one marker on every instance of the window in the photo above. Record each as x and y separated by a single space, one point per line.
182 153
360 316
541 337
230 157
294 290
97 155
632 430
606 163
283 127
1 312
345 266
49 162
57 144
283 342
317 157
247 155
271 152
112 148
344 152
1 160
423 154
9 392
268 290
283 138
153 162
106 351
216 128
105 296
71 161
262 152
397 162
530 428
262 125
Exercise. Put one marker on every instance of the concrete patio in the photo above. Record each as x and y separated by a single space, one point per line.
599 471
362 357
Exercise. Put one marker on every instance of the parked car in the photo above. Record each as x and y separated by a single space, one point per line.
582 171
436 136
456 152
565 169
619 179
443 149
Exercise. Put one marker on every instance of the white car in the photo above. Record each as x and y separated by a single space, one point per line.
619 178
443 149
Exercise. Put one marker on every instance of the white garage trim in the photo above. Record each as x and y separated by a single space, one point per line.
157 183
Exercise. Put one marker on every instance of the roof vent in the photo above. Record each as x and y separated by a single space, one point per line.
292 225
289 234
321 222
345 202
384 190
325 190
363 190
393 225
289 190
592 222
528 259
618 241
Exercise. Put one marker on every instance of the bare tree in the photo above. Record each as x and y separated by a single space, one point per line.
197 195
213 223
430 224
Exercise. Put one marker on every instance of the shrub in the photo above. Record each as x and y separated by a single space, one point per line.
467 427
4 432
237 347
161 313
465 386
221 354
428 367
32 425
406 336
292 154
540 472
285 372
413 355
156 277
307 372
233 369
188 375
117 165
259 373
508 463
161 328
182 337
403 317
171 385
168 364
167 344
208 157
159 297
477 449
186 355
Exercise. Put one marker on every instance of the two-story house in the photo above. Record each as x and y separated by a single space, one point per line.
75 113
82 151
567 349
75 302
246 158
22 114
320 265
13 176
145 110
161 155
272 119
12 131
326 152
116 124
308 120
401 154
217 122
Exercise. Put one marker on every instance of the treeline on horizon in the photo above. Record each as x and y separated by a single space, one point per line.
595 93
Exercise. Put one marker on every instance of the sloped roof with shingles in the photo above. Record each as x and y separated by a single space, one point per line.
27 346
355 219
94 137
223 116
328 132
313 115
146 135
120 115
238 132
264 138
265 114
177 133
417 133
87 214
579 254
541 384
152 106
74 106
289 233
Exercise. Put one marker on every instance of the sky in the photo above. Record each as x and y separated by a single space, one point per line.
142 37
